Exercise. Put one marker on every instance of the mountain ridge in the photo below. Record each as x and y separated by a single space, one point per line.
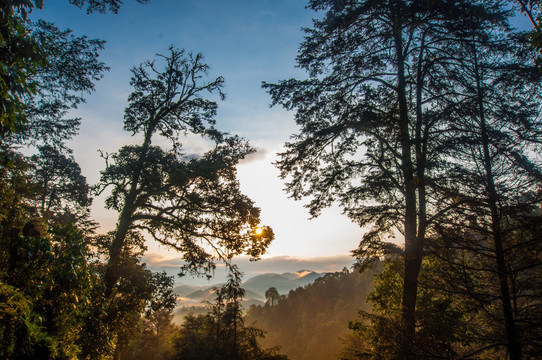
255 287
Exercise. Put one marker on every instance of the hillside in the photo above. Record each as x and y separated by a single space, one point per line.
308 323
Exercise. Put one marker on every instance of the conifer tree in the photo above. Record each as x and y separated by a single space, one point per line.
371 124
493 136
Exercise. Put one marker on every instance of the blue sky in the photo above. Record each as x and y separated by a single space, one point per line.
245 41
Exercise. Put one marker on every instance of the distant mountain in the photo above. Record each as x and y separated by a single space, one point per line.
283 282
191 296
183 290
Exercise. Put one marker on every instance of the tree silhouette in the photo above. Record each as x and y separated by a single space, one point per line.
370 124
272 295
191 203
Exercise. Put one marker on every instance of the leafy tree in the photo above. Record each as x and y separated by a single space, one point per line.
57 293
272 295
20 331
71 70
191 203
21 56
466 271
49 268
156 339
370 123
221 333
378 334
62 191
32 58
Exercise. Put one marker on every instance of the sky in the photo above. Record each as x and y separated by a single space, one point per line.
246 42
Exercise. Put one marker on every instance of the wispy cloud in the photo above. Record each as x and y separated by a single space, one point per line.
258 155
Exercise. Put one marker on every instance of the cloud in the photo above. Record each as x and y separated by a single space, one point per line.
258 155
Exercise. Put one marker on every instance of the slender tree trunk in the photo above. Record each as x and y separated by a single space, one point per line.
421 138
413 247
514 346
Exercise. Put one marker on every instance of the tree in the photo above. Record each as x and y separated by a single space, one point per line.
69 74
21 56
28 50
272 295
62 192
494 131
532 9
53 297
308 322
377 335
191 203
20 334
221 333
370 125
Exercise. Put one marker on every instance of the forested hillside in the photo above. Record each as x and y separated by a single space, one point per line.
308 322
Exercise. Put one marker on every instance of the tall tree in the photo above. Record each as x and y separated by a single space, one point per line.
20 57
378 334
72 68
62 192
189 202
369 123
494 134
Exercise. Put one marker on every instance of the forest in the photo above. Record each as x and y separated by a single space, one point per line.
420 119
310 322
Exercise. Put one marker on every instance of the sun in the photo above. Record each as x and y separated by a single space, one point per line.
258 231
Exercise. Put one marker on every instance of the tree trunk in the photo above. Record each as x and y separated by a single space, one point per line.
125 221
413 247
514 346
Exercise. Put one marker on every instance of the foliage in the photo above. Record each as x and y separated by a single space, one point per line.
191 203
48 268
377 335
102 6
408 104
62 193
71 70
494 91
156 339
21 56
272 296
221 333
44 73
51 286
370 123
533 10
467 271
21 336
308 322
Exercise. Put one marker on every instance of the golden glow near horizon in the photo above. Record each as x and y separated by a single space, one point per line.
258 231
